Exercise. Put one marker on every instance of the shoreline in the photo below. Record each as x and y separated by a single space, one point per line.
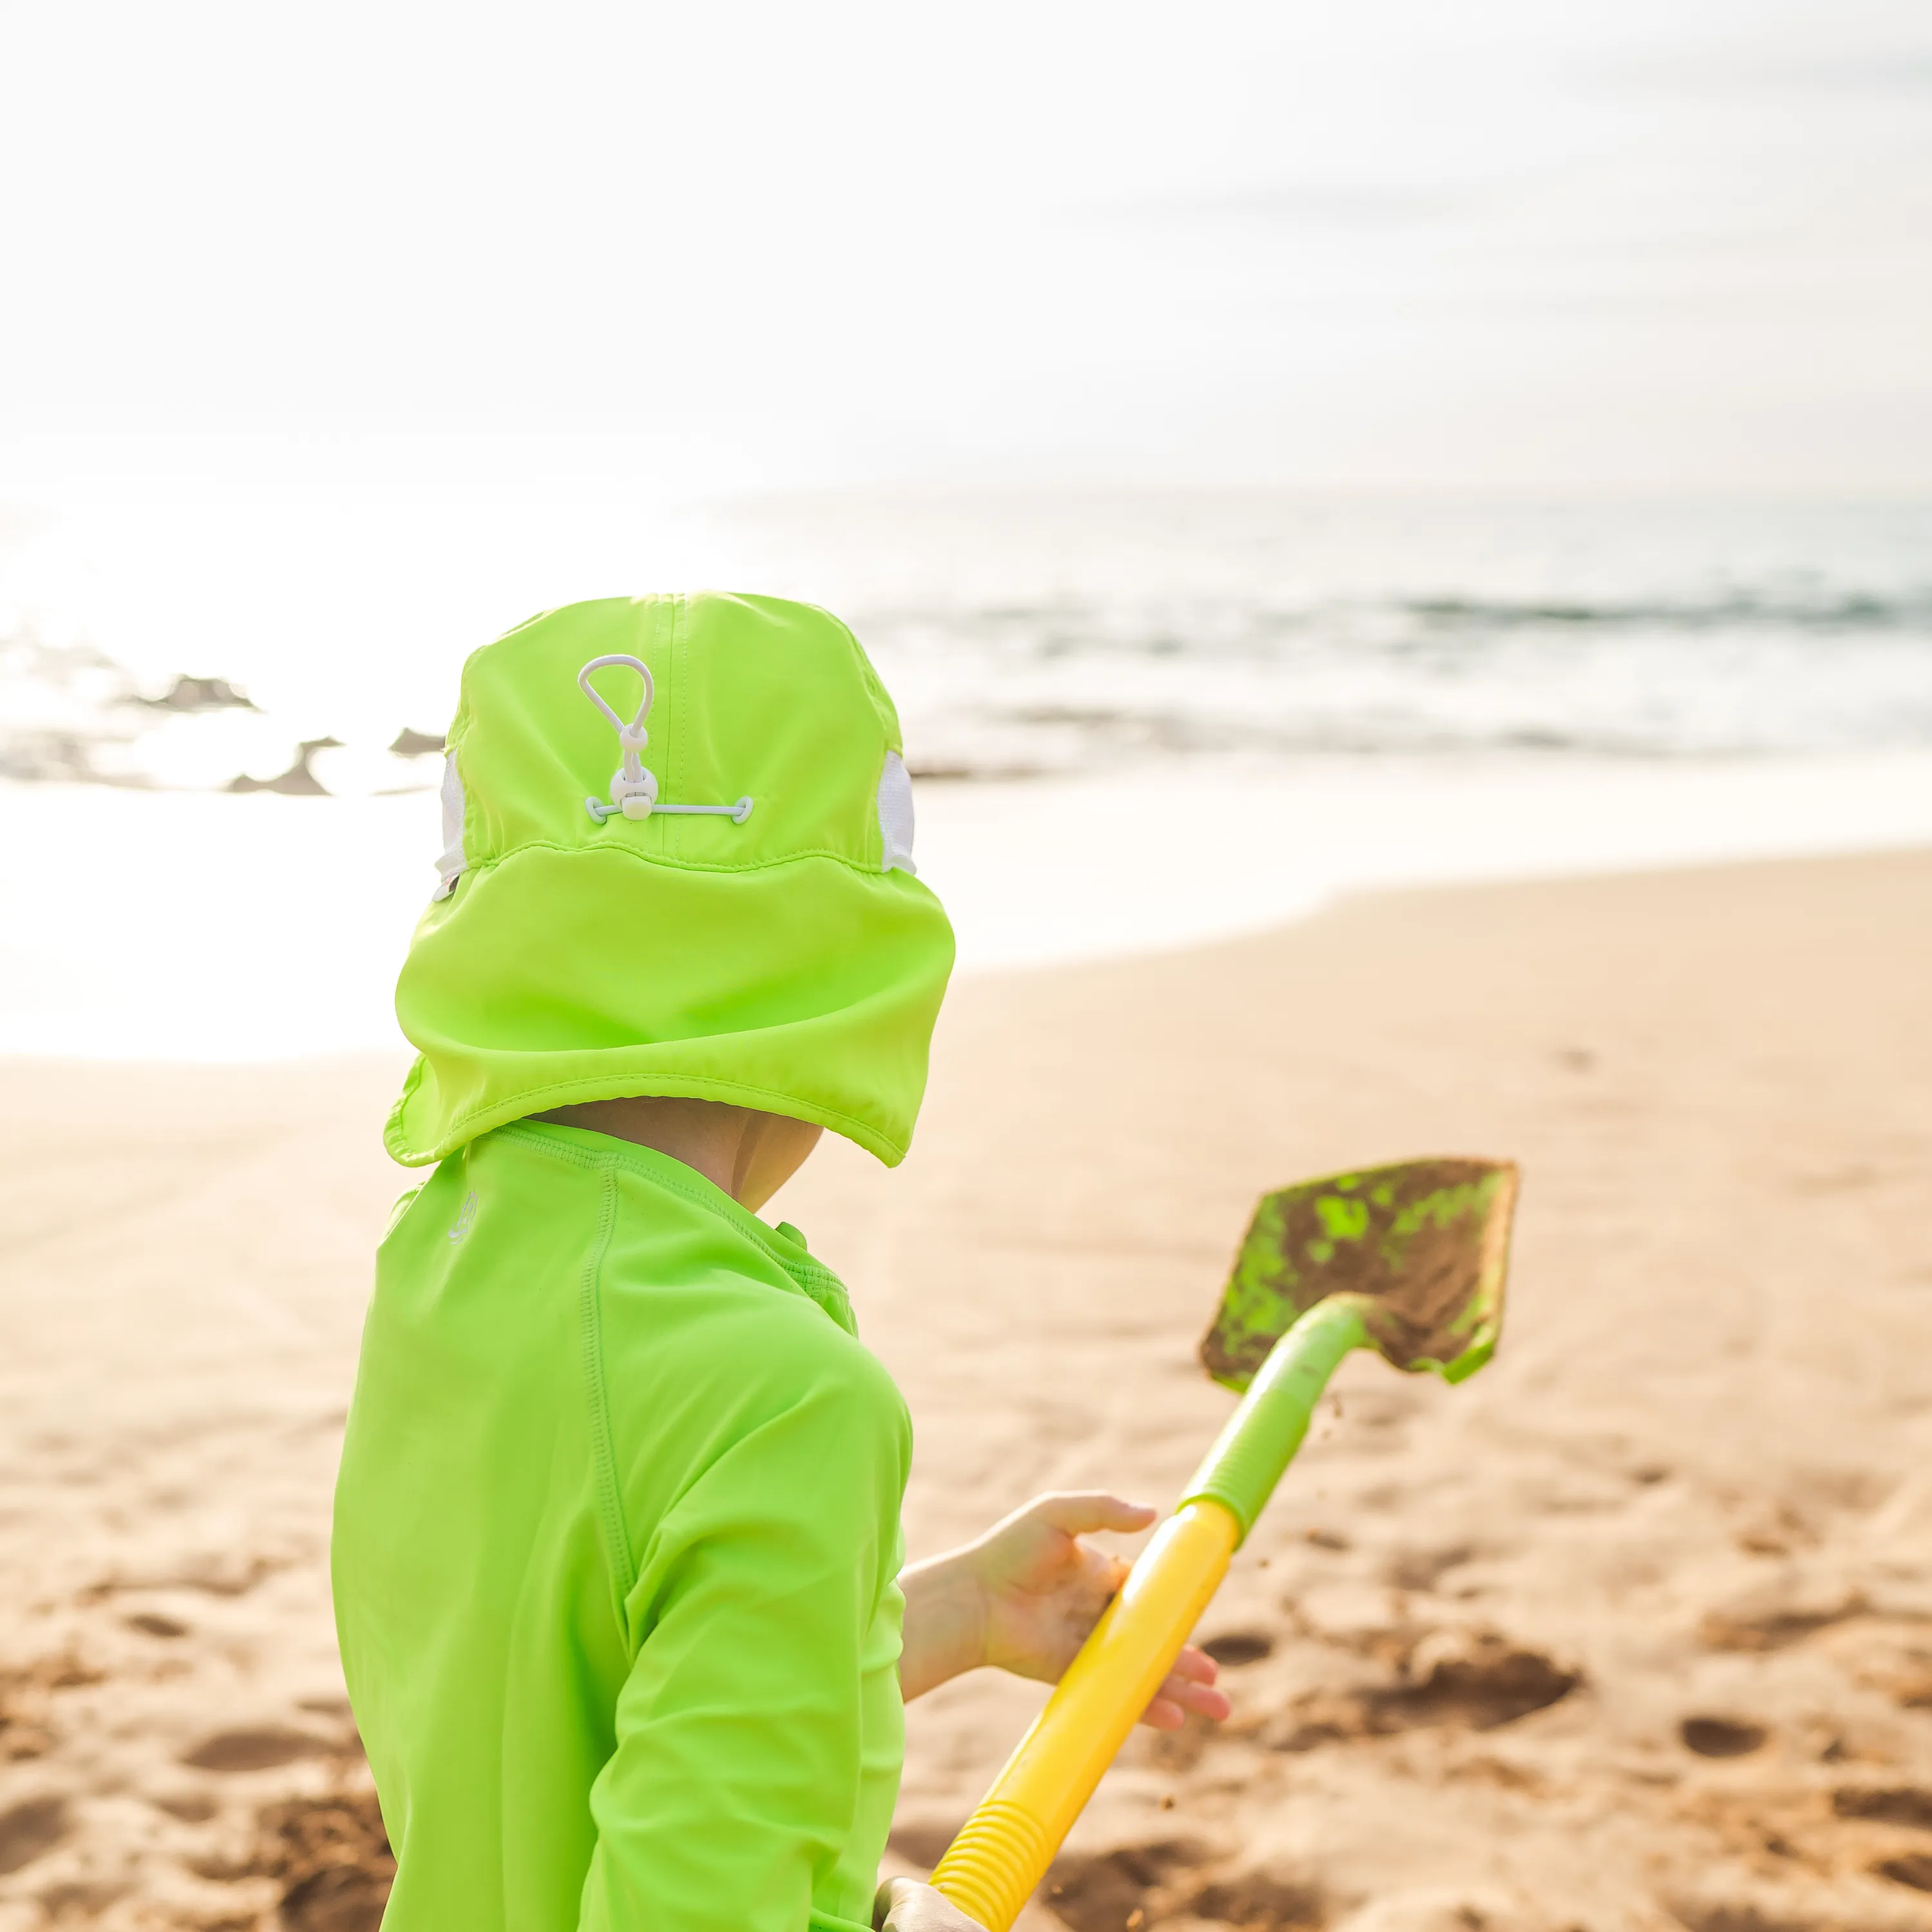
206 928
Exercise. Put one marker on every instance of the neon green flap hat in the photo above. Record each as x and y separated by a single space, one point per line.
733 914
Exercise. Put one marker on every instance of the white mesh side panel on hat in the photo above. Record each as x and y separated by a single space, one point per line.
895 814
450 863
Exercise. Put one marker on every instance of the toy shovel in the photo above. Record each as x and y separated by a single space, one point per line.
1409 1260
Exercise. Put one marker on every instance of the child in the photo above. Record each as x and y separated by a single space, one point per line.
616 1551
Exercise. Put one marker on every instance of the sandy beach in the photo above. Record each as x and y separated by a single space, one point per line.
1632 1632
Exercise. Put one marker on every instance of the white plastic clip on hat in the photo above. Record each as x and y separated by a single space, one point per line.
633 787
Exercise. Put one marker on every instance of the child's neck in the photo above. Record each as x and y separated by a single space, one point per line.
746 1154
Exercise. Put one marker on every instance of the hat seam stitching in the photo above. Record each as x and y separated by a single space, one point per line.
679 865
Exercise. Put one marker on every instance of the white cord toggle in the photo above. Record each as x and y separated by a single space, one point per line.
633 786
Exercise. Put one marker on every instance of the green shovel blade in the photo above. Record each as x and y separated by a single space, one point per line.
1425 1242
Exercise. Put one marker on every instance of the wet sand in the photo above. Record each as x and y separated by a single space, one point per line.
1633 1631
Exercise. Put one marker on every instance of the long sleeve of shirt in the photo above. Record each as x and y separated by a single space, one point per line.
730 1800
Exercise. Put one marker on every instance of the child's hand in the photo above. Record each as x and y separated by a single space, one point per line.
905 1905
1045 1590
1024 1597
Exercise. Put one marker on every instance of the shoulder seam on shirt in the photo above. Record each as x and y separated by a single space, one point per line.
610 1502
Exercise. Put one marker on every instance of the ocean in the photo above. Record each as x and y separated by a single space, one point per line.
1136 717
1058 632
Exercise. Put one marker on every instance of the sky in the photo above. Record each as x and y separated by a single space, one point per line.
669 253
334 340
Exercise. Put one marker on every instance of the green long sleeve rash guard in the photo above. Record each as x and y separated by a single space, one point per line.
616 1540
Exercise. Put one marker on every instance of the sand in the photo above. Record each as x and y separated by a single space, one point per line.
1632 1630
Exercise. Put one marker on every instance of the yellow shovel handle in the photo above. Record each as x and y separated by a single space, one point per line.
1007 1844
1004 1849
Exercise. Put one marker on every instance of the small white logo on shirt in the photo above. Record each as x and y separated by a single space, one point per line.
463 1220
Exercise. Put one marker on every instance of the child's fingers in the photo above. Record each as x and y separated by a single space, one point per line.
1163 1714
1186 1694
1079 1511
1175 1698
1189 1687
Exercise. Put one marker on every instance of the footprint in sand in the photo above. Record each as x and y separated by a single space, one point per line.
1889 1804
1111 1891
1914 1869
152 1623
1258 1900
1142 1885
332 1857
260 1750
1479 1681
31 1829
1720 1737
339 1898
1234 1648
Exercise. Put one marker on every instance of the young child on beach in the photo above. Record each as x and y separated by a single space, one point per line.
617 1556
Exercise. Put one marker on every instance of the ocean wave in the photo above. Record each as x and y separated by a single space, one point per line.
1208 626
1823 611
1255 645
1065 684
